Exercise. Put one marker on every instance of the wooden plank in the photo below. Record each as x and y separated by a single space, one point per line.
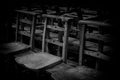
25 33
51 12
17 27
89 11
70 15
93 23
29 22
73 41
82 37
75 29
91 45
107 48
55 16
92 36
89 17
64 52
46 38
44 35
55 28
53 35
27 12
98 55
32 32
56 42
26 21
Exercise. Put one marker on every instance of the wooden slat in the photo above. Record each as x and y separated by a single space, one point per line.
64 52
93 23
82 37
54 42
27 12
97 55
55 28
26 21
70 15
32 32
89 16
55 16
17 27
89 11
29 22
97 37
44 35
73 28
25 33
38 29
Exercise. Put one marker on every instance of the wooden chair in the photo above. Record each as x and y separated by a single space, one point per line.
40 61
19 45
99 55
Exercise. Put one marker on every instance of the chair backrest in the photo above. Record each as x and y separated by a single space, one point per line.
31 22
65 30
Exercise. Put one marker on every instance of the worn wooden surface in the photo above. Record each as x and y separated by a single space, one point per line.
75 74
65 45
93 23
66 72
37 60
82 42
27 12
13 47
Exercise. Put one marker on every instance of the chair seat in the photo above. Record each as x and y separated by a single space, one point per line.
77 73
37 60
13 47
